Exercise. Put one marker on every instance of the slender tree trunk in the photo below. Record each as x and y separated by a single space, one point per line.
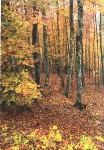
95 68
66 45
70 50
46 60
34 34
54 43
51 54
89 61
97 40
83 78
74 54
94 52
0 79
86 55
98 74
79 37
36 57
101 51
58 30
53 33
59 67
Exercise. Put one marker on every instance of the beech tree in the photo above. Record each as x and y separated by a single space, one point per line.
101 50
48 29
79 37
70 49
17 84
46 59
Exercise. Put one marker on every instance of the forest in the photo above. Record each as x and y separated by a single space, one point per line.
52 75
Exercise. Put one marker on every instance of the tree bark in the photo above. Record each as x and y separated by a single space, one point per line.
34 34
71 49
46 60
59 64
37 67
79 37
101 51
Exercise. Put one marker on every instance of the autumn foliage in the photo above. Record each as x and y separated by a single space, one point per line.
17 58
69 45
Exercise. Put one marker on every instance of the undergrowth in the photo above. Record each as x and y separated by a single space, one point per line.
35 140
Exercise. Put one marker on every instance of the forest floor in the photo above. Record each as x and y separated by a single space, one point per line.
53 108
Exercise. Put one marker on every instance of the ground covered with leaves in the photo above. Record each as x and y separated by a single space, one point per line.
53 123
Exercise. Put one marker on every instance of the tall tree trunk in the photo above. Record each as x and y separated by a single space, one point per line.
34 34
53 33
59 62
46 60
71 49
94 48
36 57
89 61
96 52
79 37
0 79
54 43
86 54
95 68
101 51
83 78
58 30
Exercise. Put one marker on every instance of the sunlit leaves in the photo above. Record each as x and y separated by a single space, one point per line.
35 139
17 83
27 87
86 143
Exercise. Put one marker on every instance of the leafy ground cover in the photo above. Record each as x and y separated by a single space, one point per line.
53 123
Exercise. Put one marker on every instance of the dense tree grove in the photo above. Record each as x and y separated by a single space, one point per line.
66 36
52 75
